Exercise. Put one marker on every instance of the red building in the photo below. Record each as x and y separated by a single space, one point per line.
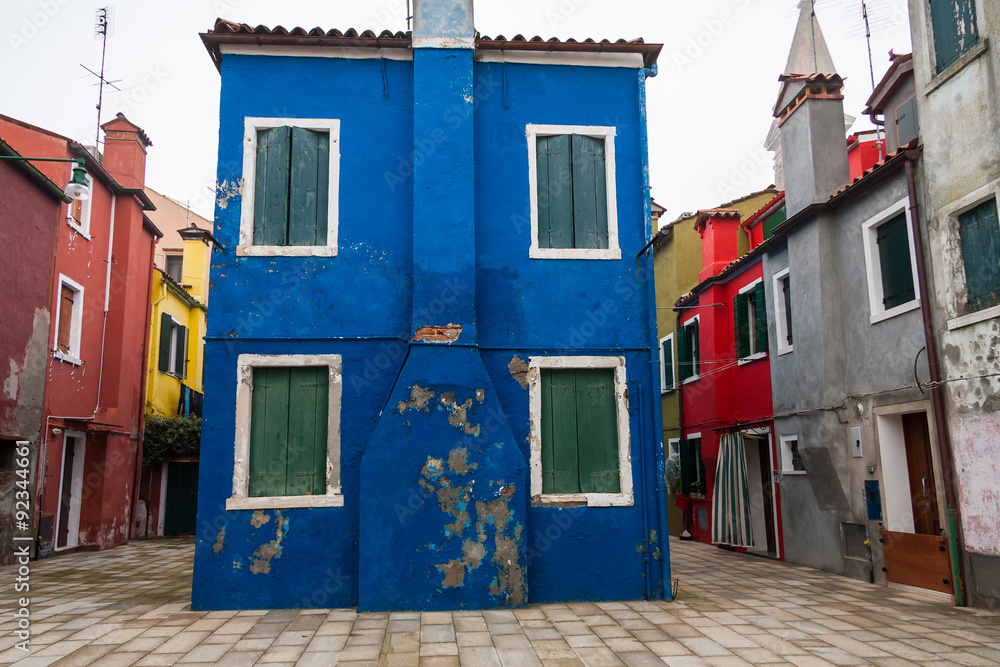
99 284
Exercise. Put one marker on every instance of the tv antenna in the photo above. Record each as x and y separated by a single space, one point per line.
871 72
103 27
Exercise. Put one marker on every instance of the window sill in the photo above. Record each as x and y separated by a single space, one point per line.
752 357
974 318
573 253
68 358
284 502
893 312
785 350
78 229
693 378
664 392
583 499
941 77
793 472
286 251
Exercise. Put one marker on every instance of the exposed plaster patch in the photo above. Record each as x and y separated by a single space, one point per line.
237 565
266 552
480 395
226 190
10 384
518 368
448 333
458 461
509 580
419 398
458 417
259 518
454 573
220 541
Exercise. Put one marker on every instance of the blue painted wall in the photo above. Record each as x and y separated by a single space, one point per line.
365 305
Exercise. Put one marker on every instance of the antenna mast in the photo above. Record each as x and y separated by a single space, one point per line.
871 72
812 27
101 30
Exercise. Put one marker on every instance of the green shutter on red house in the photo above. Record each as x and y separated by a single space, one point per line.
760 317
554 180
694 337
979 229
894 260
590 193
271 184
684 370
741 327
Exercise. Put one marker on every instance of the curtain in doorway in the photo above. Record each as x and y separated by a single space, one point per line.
731 498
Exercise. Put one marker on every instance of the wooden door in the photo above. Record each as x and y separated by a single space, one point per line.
921 473
65 493
767 488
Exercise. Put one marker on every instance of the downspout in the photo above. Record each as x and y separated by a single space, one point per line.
660 566
142 395
944 445
680 423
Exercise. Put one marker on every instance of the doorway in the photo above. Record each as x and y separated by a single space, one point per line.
181 508
761 487
70 490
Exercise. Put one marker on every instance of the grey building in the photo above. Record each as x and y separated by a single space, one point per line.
855 425
955 64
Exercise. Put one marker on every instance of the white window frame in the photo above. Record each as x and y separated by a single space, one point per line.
83 226
608 133
240 499
75 326
673 366
782 346
953 278
787 467
873 266
702 481
167 256
246 246
172 360
625 497
751 328
673 447
697 375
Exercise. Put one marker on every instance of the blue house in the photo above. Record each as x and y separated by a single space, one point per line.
428 371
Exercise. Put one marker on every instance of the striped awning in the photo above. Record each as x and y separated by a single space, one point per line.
731 498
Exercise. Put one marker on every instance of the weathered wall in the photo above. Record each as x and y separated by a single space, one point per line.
959 130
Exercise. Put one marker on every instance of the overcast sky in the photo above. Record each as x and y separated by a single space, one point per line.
709 107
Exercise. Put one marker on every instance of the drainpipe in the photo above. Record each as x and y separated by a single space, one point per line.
660 566
944 445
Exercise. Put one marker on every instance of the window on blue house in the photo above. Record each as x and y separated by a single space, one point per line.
287 432
954 28
572 174
750 321
579 431
290 192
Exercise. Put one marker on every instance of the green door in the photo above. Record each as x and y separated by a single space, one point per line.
182 498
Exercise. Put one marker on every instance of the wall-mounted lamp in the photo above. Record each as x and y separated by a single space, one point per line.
77 187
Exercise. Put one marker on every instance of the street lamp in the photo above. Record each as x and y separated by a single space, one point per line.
77 188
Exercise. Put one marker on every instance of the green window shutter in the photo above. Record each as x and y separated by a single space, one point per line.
309 195
742 328
166 324
689 470
308 408
773 221
980 233
269 432
906 122
597 431
270 210
761 317
555 191
894 259
180 351
786 290
668 364
590 193
695 339
683 354
560 467
955 31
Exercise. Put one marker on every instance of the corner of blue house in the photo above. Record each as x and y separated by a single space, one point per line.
434 435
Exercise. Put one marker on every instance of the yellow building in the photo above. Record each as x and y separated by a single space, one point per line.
180 307
676 263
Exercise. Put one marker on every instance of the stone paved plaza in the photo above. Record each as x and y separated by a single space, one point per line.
130 606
